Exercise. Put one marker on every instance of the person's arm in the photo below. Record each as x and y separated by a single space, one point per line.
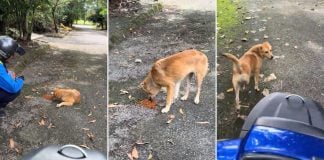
9 84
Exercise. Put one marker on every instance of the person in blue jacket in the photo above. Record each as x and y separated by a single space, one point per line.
10 85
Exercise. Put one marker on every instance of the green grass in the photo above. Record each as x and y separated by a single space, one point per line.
227 15
86 22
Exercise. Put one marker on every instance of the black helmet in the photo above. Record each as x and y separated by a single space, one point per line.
8 47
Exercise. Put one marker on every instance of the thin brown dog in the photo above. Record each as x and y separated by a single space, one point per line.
170 71
67 97
247 66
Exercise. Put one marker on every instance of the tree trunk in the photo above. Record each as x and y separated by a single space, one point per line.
54 20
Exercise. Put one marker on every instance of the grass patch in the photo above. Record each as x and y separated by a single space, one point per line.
227 15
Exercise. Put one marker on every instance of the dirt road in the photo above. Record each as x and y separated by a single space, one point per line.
79 60
174 29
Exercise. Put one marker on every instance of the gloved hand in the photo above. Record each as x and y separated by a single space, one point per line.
21 77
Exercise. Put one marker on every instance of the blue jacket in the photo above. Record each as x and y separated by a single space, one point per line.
7 83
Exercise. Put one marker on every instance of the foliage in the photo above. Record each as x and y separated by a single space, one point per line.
20 18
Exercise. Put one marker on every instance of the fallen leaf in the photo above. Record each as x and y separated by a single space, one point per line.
11 143
171 117
181 111
247 18
204 122
138 61
265 92
244 39
135 153
221 96
279 57
86 129
150 157
271 77
50 126
265 36
241 117
122 92
230 90
286 44
130 156
90 114
84 146
29 97
93 121
91 136
41 122
17 150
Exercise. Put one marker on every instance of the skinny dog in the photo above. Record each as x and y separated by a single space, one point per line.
170 71
67 97
247 66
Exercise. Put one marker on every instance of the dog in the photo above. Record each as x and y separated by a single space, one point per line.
67 97
170 71
247 66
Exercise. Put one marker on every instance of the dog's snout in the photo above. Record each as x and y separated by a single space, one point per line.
271 57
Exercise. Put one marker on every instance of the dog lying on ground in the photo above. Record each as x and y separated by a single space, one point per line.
247 66
67 97
170 71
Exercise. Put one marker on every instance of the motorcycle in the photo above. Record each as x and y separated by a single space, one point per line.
66 152
281 126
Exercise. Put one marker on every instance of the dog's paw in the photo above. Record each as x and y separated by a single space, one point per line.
165 110
196 100
58 105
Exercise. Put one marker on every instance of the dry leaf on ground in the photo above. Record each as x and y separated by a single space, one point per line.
150 157
93 121
135 153
122 92
170 117
265 92
11 143
230 90
181 111
91 136
271 77
84 146
50 126
86 129
41 122
221 96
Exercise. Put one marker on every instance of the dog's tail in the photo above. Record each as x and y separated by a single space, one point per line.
234 59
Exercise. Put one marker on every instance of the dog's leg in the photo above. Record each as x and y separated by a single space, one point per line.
256 80
199 79
177 88
64 104
236 87
170 95
186 95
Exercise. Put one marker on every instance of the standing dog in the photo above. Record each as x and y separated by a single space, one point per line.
170 71
247 66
